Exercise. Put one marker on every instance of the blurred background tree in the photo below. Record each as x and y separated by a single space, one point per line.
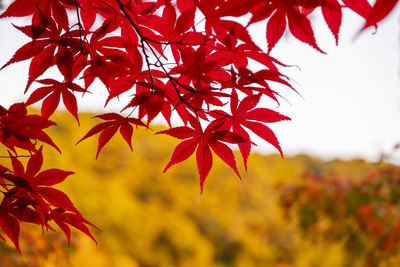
363 214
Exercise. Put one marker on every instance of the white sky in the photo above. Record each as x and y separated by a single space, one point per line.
350 104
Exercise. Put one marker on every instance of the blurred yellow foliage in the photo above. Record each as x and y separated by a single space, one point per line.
148 218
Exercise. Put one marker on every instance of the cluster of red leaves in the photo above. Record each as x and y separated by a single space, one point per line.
187 58
28 195
364 214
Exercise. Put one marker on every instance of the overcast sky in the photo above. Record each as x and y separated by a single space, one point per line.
350 98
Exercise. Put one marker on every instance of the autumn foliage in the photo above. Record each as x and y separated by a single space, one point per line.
363 214
183 59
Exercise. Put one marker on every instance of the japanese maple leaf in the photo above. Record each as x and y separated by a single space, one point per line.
212 138
244 116
18 129
31 184
52 93
198 65
113 122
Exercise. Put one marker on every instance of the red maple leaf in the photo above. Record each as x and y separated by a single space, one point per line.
113 122
52 94
246 115
18 129
212 138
